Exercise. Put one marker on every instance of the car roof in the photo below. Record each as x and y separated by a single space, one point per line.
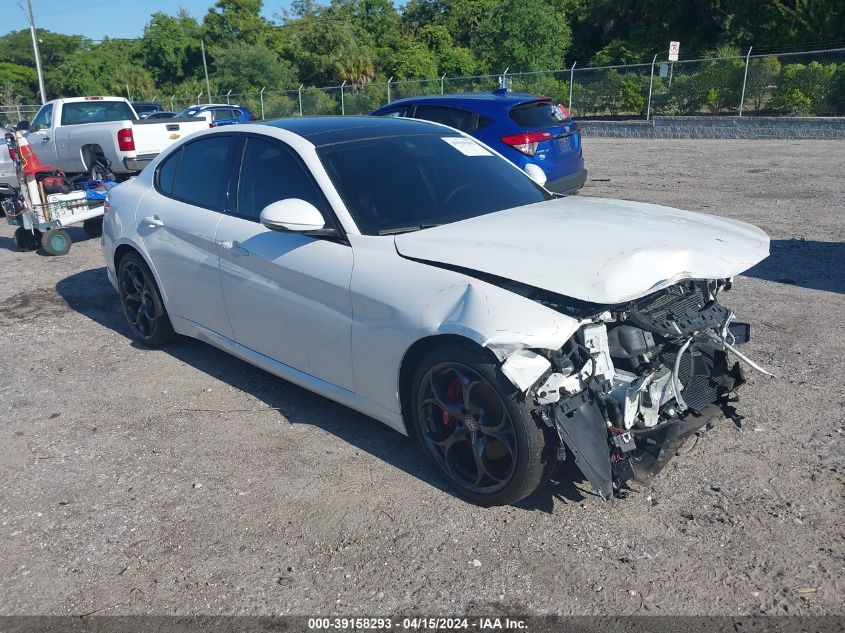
209 106
504 99
328 130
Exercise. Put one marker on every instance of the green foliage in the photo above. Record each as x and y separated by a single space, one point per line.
17 80
805 90
363 42
520 34
621 94
231 22
616 53
762 76
171 48
316 101
242 67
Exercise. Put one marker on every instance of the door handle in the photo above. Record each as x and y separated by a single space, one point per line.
45 139
153 221
234 248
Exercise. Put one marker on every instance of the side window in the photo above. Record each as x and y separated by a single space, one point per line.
44 118
167 173
403 111
202 177
221 115
270 172
460 119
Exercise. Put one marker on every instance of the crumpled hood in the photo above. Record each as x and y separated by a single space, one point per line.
594 249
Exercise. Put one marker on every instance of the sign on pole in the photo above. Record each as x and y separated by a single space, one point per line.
674 47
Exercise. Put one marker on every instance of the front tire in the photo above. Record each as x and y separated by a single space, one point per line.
141 301
475 428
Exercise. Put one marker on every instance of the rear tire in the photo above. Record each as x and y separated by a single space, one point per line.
141 301
100 171
25 240
56 242
475 428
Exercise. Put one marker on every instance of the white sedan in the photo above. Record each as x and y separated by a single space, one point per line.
409 272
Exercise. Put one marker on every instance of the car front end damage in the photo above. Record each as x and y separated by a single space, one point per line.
636 380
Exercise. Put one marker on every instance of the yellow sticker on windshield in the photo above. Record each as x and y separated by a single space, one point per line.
466 146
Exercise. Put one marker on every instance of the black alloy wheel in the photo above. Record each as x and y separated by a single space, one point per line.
142 304
476 429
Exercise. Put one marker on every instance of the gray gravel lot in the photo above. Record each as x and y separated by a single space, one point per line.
185 481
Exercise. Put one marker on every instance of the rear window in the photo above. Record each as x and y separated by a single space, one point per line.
96 112
146 107
537 114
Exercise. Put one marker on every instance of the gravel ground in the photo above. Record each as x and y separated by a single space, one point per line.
185 481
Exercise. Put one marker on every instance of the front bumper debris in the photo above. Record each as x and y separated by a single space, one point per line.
637 381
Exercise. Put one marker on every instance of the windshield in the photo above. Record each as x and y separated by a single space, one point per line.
402 183
80 112
188 112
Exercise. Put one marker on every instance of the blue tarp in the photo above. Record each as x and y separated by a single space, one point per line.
97 189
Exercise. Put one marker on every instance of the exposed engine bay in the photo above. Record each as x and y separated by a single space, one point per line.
637 380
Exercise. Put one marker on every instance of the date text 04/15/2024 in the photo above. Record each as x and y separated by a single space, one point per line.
417 624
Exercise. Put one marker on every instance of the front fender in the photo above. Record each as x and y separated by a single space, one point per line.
398 302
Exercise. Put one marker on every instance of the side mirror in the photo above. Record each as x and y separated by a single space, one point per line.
292 214
23 126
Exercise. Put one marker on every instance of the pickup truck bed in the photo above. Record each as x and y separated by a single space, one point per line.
86 134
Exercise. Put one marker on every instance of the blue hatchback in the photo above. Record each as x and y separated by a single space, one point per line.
530 131
221 114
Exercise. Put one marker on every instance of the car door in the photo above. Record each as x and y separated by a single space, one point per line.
177 222
287 294
41 136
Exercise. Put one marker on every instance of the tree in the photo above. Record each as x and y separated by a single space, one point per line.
246 68
231 22
17 80
171 48
520 34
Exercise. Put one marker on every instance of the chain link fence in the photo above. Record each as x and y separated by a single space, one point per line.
808 83
11 114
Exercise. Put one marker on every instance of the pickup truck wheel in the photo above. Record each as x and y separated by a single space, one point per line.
93 227
99 171
25 240
56 242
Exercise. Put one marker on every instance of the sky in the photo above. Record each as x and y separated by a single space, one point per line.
99 18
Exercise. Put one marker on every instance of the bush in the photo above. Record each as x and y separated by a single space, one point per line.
805 90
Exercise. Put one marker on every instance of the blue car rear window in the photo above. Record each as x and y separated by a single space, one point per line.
536 114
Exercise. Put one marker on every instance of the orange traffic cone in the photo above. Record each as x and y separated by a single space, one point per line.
31 166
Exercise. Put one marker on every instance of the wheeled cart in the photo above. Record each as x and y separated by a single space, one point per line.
42 217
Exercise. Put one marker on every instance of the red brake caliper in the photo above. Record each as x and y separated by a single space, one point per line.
453 394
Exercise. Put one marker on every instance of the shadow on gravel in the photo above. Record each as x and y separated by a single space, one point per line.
804 263
90 293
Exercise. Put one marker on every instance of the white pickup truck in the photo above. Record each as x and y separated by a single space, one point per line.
101 135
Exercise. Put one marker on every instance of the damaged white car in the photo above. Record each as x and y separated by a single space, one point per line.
409 272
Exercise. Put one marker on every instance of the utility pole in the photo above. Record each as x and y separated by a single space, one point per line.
32 32
205 67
